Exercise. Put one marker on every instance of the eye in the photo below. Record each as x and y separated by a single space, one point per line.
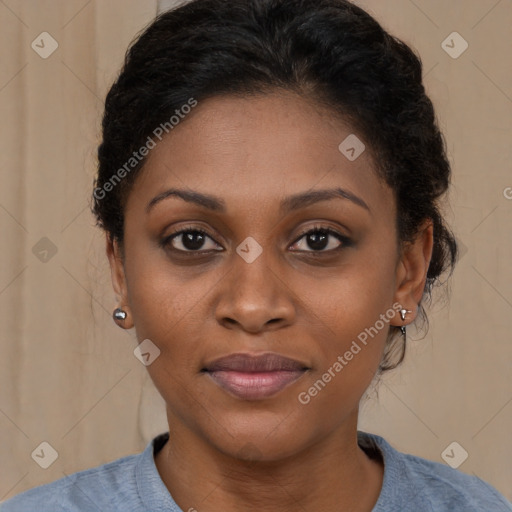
190 240
195 240
321 239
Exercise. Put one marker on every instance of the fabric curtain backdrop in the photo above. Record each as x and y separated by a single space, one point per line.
68 375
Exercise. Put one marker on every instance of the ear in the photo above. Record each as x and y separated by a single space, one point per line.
411 271
117 273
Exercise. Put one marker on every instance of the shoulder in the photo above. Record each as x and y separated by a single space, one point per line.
92 489
416 483
443 486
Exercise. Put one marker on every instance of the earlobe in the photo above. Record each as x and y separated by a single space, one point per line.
411 273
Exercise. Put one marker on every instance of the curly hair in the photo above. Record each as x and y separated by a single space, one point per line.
329 51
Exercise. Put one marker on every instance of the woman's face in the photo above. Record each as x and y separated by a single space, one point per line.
254 283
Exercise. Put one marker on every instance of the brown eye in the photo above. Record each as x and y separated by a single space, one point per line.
321 240
191 240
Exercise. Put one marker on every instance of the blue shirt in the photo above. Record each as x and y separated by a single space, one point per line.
133 484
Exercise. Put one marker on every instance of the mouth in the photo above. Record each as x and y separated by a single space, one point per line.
251 377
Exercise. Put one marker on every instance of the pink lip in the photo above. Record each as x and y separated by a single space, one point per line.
255 377
255 385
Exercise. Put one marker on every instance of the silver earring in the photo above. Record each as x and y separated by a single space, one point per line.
403 312
119 314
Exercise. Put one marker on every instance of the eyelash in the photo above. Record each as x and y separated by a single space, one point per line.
345 241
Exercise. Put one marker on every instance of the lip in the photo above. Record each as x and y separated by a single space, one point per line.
255 377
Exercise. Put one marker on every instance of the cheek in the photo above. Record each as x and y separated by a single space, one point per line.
168 307
350 298
348 315
351 331
158 293
350 339
168 314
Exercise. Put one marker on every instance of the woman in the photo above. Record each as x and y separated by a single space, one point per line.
268 183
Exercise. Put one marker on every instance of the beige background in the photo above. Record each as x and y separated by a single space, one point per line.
68 375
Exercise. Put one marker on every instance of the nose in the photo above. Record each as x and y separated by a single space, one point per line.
253 297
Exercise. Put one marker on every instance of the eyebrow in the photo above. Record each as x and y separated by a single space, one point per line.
289 204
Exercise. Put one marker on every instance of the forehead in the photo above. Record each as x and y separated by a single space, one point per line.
255 150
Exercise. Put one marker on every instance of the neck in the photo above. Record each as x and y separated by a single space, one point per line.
333 474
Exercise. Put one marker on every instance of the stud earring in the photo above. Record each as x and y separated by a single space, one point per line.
403 312
119 314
